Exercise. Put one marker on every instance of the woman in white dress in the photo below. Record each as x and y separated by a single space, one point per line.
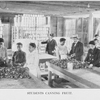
62 49
32 59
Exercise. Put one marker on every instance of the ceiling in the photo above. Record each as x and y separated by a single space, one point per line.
55 8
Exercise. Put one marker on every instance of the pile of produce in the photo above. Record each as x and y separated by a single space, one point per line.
60 63
63 63
14 72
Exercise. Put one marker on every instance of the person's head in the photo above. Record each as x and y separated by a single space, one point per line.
92 44
1 42
96 41
62 41
32 47
96 36
51 36
19 46
75 38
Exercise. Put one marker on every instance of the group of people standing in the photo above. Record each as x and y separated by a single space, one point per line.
61 50
77 50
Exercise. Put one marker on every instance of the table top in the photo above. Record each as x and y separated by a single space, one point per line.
89 78
46 56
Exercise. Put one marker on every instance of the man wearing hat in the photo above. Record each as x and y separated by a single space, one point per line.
93 56
77 48
3 53
62 49
19 57
51 44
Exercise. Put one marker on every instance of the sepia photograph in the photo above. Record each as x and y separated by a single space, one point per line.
49 44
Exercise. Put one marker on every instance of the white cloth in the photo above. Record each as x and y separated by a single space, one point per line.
3 52
32 61
62 51
63 56
68 42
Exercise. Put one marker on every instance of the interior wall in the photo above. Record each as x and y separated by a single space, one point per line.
57 26
82 29
7 21
60 26
53 25
70 27
6 35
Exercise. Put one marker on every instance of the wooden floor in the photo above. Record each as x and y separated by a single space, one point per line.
20 84
33 83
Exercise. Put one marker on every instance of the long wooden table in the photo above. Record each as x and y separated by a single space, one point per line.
83 78
43 58
95 70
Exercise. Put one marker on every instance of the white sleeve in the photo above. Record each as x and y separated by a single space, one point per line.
36 60
36 64
57 52
66 50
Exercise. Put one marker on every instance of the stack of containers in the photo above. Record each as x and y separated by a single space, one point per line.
33 25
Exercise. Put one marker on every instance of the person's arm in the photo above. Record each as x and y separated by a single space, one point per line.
47 47
44 42
55 46
87 57
13 60
79 51
71 51
24 59
36 64
55 42
57 53
66 50
6 55
97 60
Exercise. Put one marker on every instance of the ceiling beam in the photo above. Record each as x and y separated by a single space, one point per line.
14 7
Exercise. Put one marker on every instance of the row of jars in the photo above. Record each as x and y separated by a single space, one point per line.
29 20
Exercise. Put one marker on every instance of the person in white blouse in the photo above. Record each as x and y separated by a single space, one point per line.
62 49
32 59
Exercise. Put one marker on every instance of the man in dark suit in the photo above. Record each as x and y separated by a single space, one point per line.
93 56
77 49
51 44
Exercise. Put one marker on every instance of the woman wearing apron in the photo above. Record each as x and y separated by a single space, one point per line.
62 49
32 59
